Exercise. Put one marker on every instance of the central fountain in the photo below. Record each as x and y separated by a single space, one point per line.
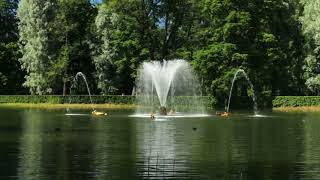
168 89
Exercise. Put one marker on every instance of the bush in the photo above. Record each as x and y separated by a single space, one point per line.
76 99
295 101
182 101
236 102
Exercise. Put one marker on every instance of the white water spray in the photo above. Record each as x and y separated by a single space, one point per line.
170 85
75 79
254 98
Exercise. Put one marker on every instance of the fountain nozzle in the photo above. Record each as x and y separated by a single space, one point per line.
163 110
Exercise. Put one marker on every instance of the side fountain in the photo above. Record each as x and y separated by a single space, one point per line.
75 80
168 89
254 98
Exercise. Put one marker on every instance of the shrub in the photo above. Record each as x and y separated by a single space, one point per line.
56 99
295 101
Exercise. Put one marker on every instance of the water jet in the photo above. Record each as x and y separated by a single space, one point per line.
168 88
75 80
254 98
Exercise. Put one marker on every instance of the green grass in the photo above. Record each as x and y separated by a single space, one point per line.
297 109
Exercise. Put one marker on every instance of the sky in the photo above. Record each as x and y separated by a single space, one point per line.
96 1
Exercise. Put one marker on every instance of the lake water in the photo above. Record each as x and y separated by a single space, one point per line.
47 144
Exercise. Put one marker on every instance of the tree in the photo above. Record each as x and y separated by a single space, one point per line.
311 29
130 32
11 77
8 21
261 37
174 21
105 52
120 46
71 28
36 59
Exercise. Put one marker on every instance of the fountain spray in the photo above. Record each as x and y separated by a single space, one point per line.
254 98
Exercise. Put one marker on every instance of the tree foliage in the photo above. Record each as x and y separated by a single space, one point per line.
311 29
33 31
109 41
261 37
11 76
71 32
122 44
8 21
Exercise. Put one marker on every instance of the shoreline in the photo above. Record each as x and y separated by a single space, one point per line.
131 106
297 109
62 106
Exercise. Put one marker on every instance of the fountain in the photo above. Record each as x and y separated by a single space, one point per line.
75 79
254 98
80 74
168 89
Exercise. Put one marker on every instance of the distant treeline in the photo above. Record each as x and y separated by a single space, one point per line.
44 43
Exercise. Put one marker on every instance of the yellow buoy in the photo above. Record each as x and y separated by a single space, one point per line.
97 113
225 114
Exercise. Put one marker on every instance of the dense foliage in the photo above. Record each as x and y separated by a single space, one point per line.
97 99
239 102
296 101
11 75
275 41
311 28
59 99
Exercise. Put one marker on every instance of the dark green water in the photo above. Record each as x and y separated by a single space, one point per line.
41 144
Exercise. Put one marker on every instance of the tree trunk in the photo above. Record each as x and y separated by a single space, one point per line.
64 87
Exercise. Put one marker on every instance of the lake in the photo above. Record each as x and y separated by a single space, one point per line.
48 144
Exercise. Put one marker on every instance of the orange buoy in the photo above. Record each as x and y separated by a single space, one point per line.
225 114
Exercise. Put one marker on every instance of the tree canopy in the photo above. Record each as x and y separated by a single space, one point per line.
275 41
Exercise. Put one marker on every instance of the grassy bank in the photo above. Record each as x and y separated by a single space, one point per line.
279 103
296 104
63 106
297 109
83 101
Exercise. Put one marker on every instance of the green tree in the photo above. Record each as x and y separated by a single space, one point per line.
36 59
119 47
8 21
311 29
174 19
11 77
261 37
71 28
132 31
104 51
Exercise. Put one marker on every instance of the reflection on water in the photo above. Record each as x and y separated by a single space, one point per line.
311 156
30 155
37 144
157 149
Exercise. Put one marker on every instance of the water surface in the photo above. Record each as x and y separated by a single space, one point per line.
48 144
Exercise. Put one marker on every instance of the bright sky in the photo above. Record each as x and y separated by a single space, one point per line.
96 1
